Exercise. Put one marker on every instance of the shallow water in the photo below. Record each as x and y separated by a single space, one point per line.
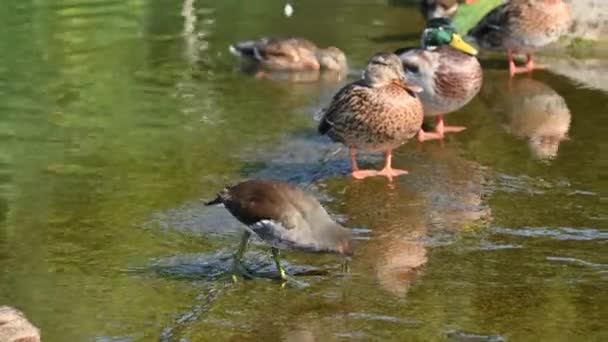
118 117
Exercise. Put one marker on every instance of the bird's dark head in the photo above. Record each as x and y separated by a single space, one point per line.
222 196
441 31
345 247
339 240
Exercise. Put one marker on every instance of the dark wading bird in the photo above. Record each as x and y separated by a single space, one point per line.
283 216
522 26
447 70
379 112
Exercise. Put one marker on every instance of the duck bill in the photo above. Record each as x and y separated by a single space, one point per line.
405 84
459 43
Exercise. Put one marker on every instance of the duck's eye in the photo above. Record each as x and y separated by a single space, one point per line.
381 63
411 67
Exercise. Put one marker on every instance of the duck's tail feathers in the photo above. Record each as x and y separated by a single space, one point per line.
324 126
216 201
221 197
403 50
244 48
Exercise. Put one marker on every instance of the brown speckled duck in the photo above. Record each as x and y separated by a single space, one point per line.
285 217
380 112
440 8
447 70
289 54
522 26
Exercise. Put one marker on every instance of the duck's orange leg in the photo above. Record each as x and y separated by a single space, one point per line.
440 131
468 2
353 159
387 171
530 65
513 69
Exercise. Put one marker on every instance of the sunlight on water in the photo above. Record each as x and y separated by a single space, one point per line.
120 117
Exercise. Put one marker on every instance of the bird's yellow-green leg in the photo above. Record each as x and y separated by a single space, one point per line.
277 261
346 265
238 256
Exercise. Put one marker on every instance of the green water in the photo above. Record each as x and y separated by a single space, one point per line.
118 117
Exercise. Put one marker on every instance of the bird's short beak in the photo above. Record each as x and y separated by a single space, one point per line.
459 43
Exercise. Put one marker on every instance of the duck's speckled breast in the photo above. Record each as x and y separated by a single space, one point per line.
532 26
385 118
457 79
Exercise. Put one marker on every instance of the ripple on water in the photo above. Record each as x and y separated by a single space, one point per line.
465 336
378 317
558 233
576 261
215 265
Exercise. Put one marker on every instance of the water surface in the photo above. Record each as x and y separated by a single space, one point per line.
118 117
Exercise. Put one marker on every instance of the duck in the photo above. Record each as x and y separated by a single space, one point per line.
440 8
522 27
447 70
285 217
379 112
289 54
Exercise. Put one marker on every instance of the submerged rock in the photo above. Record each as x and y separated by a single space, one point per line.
14 326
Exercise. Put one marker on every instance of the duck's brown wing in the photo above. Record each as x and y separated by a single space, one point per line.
290 54
352 99
252 202
493 28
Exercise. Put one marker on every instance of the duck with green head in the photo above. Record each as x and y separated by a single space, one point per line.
446 68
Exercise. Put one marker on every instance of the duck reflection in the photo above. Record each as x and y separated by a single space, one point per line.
396 218
538 114
453 187
306 76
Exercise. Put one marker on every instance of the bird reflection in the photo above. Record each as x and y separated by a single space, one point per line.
309 76
396 218
538 114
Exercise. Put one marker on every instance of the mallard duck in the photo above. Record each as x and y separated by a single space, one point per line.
285 217
289 54
522 26
447 70
379 112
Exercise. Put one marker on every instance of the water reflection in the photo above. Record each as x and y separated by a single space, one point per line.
538 114
588 73
326 76
113 111
395 251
